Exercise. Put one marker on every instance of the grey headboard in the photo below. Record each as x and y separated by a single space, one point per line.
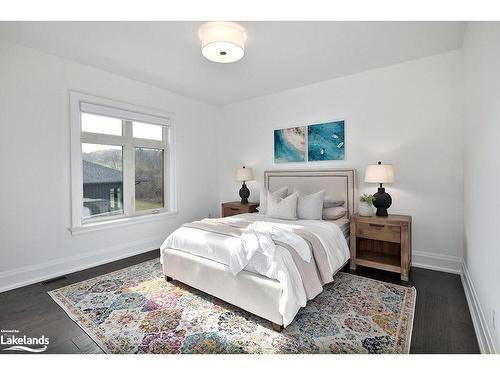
339 183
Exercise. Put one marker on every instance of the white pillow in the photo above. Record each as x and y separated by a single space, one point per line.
334 213
279 208
282 193
310 206
332 202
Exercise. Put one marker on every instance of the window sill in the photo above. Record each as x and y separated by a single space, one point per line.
122 222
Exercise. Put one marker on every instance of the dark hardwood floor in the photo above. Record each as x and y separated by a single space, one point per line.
442 320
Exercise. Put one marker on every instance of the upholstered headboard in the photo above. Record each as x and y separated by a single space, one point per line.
339 183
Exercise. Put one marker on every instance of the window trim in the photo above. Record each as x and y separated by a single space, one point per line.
127 112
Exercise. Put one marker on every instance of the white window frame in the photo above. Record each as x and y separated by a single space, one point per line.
79 103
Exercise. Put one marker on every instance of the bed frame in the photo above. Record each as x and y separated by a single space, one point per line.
249 291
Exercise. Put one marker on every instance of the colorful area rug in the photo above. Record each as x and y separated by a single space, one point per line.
134 310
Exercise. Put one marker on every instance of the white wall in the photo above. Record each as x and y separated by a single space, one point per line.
35 170
407 114
482 177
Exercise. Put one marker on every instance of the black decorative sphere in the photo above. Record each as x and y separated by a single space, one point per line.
244 193
382 201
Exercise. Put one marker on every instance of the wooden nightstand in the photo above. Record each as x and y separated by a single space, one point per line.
382 242
236 208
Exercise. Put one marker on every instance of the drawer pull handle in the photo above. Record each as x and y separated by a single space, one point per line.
233 209
377 225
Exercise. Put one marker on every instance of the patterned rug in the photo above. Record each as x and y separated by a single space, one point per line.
134 310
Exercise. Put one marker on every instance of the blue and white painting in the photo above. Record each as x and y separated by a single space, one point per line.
290 145
326 141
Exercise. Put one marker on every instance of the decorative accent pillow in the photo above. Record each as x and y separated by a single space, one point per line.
310 206
279 208
334 213
282 193
332 202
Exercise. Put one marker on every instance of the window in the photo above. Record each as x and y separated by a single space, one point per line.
102 168
101 124
121 162
146 131
148 178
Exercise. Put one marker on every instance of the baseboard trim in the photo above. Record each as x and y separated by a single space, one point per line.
483 334
437 262
28 275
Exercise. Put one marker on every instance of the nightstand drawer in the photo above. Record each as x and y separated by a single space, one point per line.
381 232
237 208
229 211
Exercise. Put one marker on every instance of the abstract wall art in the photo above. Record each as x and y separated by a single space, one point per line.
290 145
326 141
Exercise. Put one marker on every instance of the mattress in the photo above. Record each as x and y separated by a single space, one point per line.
218 247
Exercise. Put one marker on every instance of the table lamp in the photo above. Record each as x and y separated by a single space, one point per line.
244 175
380 174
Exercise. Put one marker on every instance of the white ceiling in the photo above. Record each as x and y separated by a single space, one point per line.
278 56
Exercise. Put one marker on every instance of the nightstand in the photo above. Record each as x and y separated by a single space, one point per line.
236 208
382 242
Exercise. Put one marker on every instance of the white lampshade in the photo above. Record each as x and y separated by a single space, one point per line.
222 42
244 174
379 173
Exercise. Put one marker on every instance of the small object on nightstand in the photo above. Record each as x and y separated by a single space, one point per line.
236 208
365 207
380 174
243 175
382 242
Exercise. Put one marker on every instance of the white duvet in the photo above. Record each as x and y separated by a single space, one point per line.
260 256
259 239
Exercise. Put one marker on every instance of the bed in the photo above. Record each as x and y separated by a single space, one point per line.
198 256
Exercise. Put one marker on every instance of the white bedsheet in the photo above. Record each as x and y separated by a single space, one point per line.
219 248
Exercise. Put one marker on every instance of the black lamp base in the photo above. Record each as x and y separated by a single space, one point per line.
244 193
382 201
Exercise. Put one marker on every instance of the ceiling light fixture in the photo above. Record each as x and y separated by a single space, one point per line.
222 42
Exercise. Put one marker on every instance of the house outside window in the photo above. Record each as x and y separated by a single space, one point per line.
122 162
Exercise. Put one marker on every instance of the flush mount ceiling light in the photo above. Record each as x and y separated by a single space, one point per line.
222 42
